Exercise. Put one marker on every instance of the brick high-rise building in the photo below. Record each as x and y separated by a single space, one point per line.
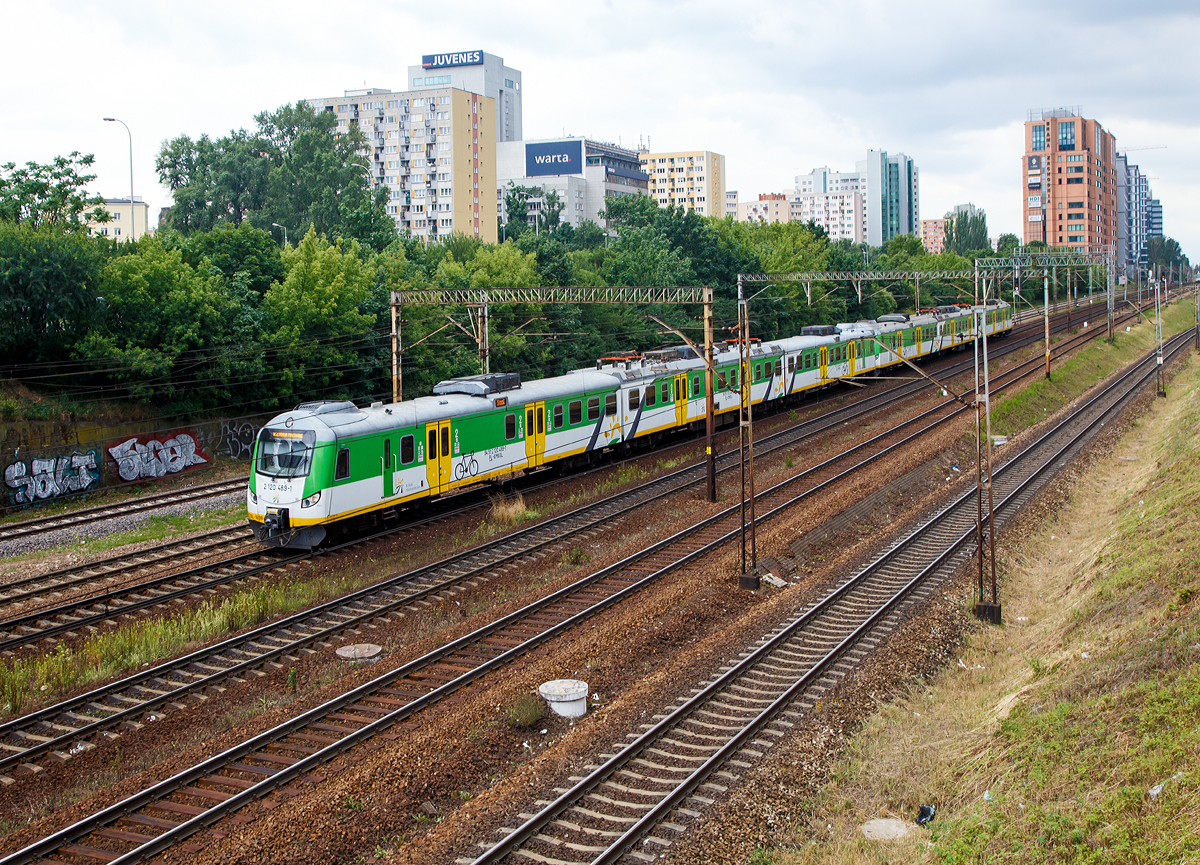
1069 193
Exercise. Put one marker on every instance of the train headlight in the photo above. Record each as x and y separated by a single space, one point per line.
311 500
253 497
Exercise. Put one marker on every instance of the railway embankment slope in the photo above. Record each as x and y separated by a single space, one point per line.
1072 732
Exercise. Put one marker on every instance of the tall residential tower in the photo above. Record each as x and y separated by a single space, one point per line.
1070 189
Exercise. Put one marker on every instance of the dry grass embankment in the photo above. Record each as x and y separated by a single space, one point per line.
1072 733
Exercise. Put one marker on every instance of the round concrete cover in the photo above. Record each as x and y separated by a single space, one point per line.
360 652
885 829
563 690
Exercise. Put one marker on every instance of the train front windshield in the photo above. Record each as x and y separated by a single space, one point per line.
285 454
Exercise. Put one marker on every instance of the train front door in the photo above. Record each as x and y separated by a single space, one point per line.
681 398
853 350
437 455
824 362
535 434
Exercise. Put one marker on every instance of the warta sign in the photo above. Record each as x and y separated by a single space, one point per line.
443 61
554 157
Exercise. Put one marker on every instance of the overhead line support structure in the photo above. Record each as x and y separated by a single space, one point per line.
479 300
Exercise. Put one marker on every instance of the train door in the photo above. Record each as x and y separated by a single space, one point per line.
388 468
535 434
681 398
853 347
917 341
437 455
824 362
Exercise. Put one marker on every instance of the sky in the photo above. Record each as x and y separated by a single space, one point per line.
779 88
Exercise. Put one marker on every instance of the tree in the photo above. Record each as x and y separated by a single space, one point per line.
314 316
967 232
234 250
552 207
1165 252
1006 244
51 194
156 307
588 236
49 290
296 169
554 264
644 257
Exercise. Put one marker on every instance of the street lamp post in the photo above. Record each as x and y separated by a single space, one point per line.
132 218
283 229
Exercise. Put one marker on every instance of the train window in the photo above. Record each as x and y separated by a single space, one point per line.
431 452
779 367
721 381
387 455
807 360
635 399
408 450
510 426
651 395
593 408
666 392
733 376
341 469
791 365
446 440
541 420
575 412
695 385
558 416
610 405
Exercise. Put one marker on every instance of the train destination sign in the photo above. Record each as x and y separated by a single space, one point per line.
444 61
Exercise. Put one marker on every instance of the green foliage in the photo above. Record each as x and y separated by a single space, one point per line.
1165 252
49 282
312 312
52 194
292 170
526 711
967 232
644 256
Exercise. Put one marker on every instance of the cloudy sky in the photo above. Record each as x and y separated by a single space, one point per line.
778 87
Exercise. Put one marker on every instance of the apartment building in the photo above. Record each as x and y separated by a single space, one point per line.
1070 188
692 179
127 222
585 173
434 150
476 72
839 213
933 235
890 189
731 203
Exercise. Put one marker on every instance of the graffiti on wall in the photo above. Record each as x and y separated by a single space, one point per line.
136 459
46 477
237 439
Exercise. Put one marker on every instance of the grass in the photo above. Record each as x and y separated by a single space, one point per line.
1098 360
153 529
27 682
1070 735
525 711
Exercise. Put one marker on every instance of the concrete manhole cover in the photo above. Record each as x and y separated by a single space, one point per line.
368 652
886 829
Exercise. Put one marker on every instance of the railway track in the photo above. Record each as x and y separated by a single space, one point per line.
61 727
164 814
645 792
39 525
173 554
72 519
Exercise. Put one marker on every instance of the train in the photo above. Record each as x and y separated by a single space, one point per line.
329 467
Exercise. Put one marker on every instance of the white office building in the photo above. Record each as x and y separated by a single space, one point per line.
584 173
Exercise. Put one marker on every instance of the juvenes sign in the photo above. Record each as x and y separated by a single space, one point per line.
442 61
554 157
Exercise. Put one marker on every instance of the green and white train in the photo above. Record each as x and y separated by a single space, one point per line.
331 466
